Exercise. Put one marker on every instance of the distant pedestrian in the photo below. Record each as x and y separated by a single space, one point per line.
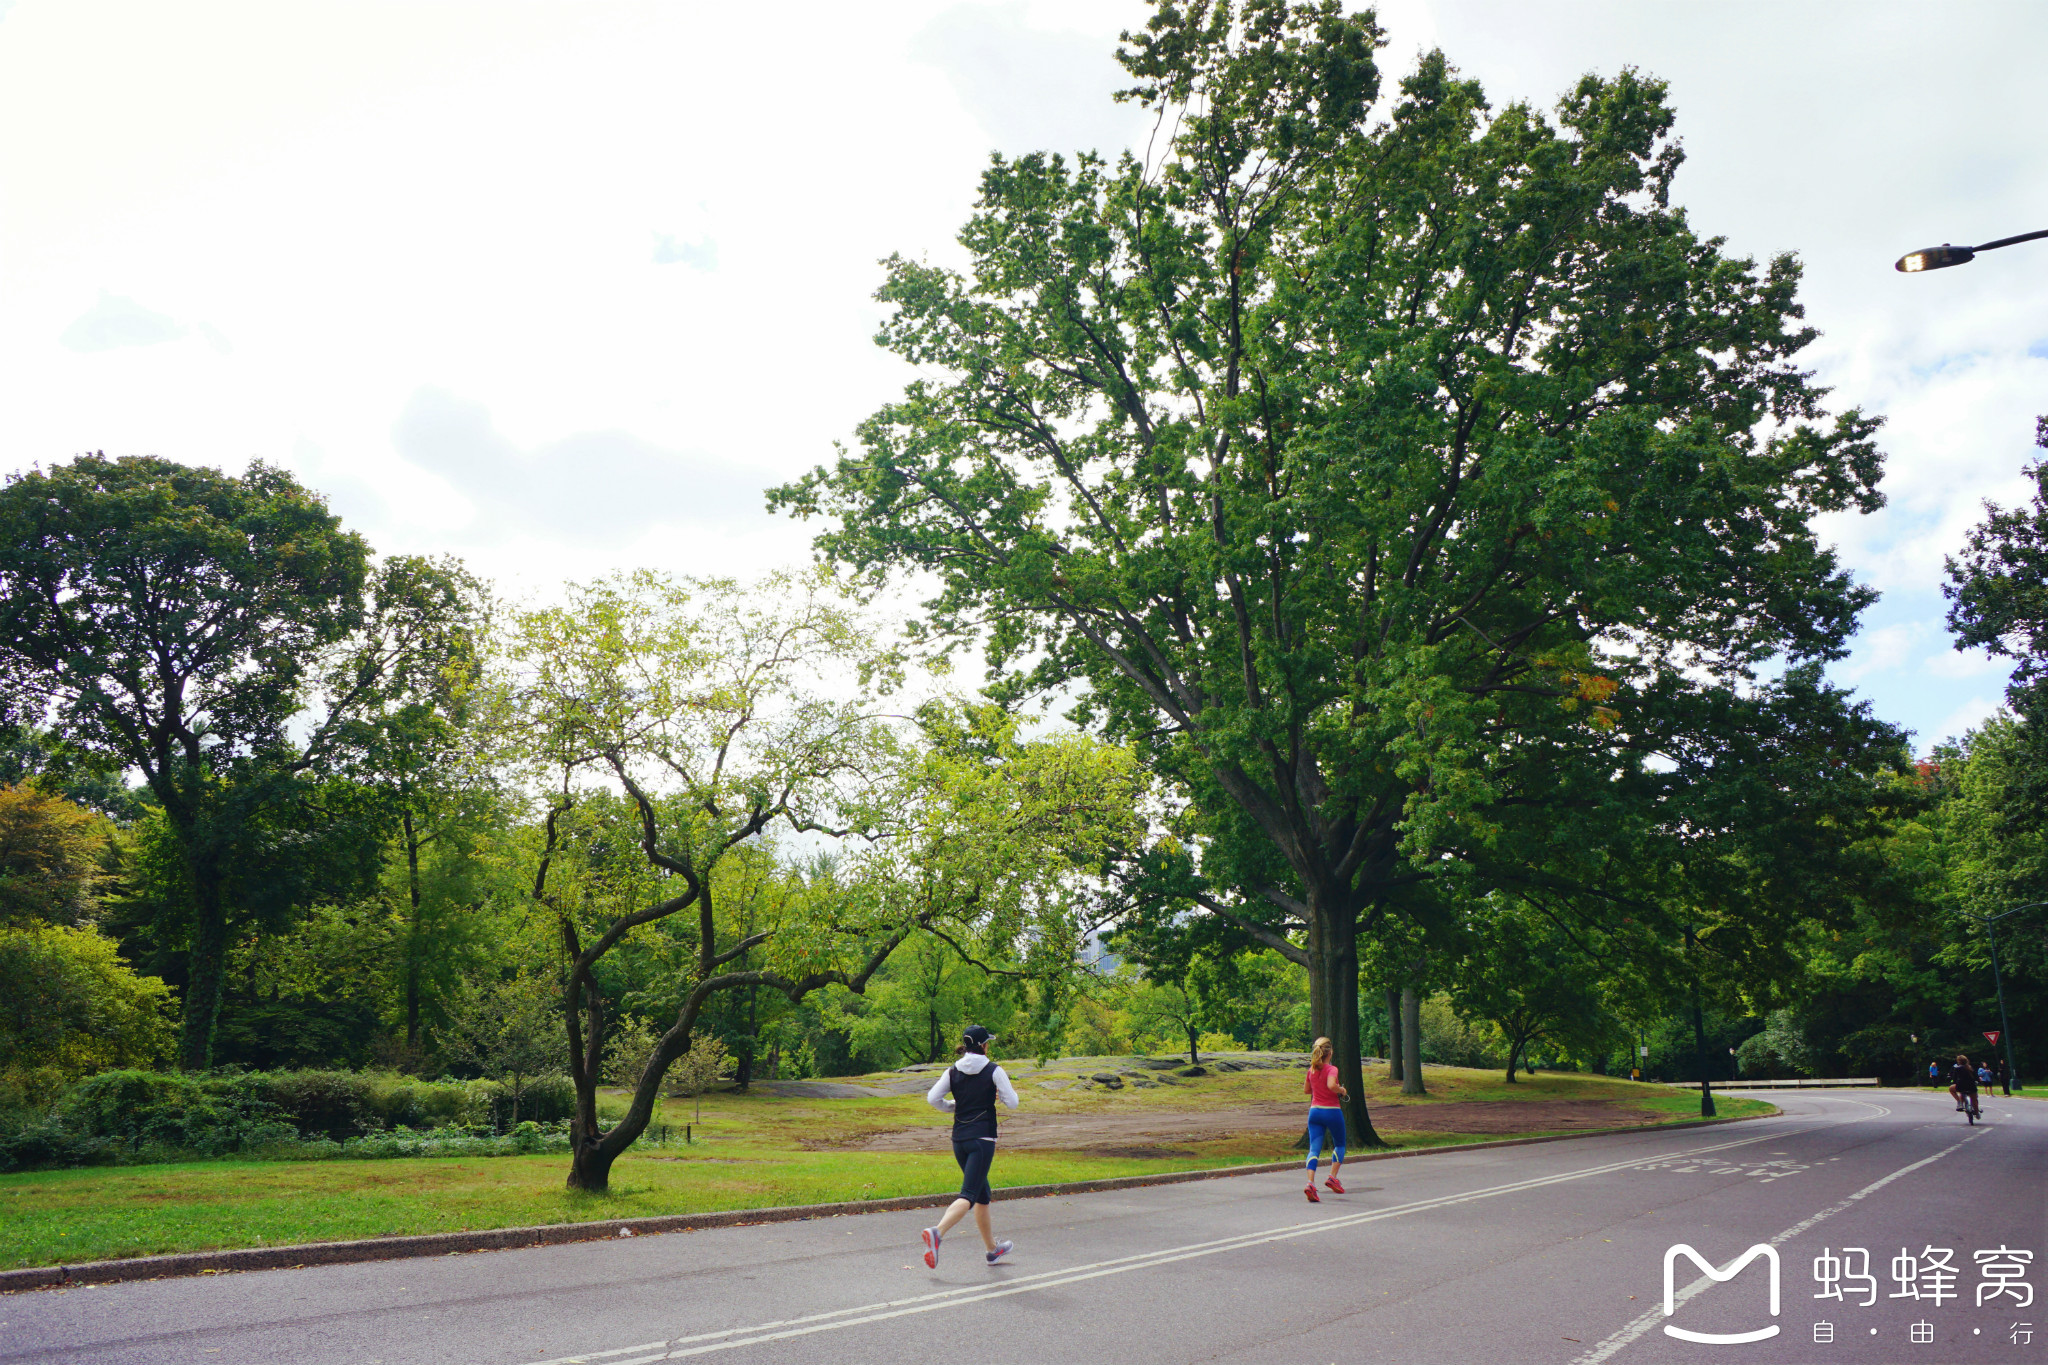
2004 1077
1934 1072
1326 1096
969 1090
1984 1074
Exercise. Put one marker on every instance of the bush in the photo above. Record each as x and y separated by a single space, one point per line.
1448 1040
69 1006
207 1116
1781 1051
48 1142
329 1104
549 1099
163 1116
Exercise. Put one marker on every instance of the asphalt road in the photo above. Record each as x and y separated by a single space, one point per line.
1552 1253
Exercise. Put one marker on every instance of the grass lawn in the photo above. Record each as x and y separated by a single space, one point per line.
752 1151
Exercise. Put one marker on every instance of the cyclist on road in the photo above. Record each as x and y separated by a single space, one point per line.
1962 1083
1326 1096
969 1089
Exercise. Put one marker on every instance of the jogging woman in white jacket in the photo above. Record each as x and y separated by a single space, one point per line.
969 1090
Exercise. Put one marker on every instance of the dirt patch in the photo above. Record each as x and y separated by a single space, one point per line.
1510 1116
822 1090
1148 1133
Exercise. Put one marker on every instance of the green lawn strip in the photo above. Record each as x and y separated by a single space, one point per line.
64 1217
1685 1104
749 1151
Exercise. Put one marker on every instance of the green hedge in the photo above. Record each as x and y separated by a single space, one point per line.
155 1115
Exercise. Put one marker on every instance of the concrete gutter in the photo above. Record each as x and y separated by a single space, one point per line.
298 1256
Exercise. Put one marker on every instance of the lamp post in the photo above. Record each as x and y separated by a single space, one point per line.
1943 256
1990 923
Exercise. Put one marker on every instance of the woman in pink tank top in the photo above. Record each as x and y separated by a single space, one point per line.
1326 1096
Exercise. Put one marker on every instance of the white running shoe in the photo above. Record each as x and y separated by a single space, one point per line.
931 1248
1002 1250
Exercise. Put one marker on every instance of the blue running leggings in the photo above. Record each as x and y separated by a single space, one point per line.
1324 1123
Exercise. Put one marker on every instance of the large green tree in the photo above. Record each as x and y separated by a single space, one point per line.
428 742
682 723
1998 586
217 634
1405 475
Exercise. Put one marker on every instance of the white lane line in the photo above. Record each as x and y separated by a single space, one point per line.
589 1356
1637 1328
700 1343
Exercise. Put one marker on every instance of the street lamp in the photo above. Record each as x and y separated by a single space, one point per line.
1945 255
1997 979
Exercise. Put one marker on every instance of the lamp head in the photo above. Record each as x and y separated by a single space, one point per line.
1934 258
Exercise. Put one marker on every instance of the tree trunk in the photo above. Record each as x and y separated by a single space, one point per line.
1194 1053
1699 1043
206 970
1393 1034
412 941
590 1168
1318 986
1411 1042
1333 964
1514 1051
743 1071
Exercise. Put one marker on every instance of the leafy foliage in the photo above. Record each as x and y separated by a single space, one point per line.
69 1007
1408 482
178 621
52 858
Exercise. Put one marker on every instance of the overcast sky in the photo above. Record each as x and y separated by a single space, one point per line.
560 287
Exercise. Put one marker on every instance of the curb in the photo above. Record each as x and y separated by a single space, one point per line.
300 1255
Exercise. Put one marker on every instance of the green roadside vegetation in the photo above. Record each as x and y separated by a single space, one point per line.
756 1150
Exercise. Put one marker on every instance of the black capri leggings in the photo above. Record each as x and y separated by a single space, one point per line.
974 1156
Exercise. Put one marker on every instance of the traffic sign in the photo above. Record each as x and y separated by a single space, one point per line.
1992 1035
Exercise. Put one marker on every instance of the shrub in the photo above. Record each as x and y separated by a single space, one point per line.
209 1116
69 1006
163 1116
1448 1040
329 1104
48 1142
1779 1052
546 1099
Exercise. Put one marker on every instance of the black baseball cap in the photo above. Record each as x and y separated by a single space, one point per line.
977 1036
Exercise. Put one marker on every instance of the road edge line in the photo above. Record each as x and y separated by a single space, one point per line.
299 1255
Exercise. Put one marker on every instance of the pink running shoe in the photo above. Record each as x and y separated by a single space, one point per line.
1335 1184
1313 1197
931 1248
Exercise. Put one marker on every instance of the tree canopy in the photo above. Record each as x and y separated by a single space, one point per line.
180 620
1427 499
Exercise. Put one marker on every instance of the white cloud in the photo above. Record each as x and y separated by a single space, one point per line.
116 321
598 487
1882 649
670 248
1962 720
387 200
1031 88
1964 663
